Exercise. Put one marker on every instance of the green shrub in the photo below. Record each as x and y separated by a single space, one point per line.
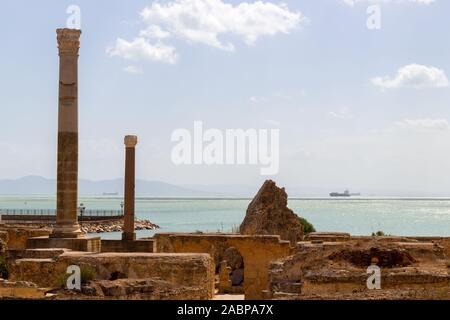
307 226
4 273
378 234
88 273
61 281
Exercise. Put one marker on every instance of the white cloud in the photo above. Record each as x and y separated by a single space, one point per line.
342 113
255 99
205 22
132 70
420 125
283 96
154 31
140 48
352 3
277 96
414 76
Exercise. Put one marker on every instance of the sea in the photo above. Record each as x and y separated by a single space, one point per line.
358 216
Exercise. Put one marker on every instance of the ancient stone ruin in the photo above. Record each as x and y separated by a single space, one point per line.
270 258
411 268
268 214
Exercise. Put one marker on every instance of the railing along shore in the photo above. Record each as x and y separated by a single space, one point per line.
49 215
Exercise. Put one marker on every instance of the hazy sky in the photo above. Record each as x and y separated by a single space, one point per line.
356 108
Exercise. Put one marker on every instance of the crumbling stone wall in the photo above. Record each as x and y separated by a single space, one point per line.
140 289
17 237
332 269
189 270
442 241
257 252
3 248
3 242
145 246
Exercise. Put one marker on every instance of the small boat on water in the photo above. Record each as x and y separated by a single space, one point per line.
346 193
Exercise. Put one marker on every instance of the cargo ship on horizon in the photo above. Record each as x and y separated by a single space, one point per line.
346 193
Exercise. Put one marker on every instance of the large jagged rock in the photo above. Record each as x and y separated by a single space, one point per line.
268 214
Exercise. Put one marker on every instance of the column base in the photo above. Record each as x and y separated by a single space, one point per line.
67 231
129 236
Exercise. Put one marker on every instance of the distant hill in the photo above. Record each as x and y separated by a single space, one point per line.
35 185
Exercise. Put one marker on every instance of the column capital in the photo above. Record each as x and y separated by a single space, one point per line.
131 141
68 41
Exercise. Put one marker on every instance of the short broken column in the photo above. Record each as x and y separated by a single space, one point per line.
129 195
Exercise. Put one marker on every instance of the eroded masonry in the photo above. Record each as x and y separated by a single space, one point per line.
272 256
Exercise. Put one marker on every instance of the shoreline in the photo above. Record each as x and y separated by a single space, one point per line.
97 227
237 198
115 226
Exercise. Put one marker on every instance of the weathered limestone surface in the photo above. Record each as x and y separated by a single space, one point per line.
442 241
268 214
128 246
362 257
225 285
2 247
4 236
257 252
17 237
3 242
233 258
337 270
327 236
136 289
21 290
75 244
189 270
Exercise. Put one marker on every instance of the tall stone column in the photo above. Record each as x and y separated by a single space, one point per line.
67 186
130 171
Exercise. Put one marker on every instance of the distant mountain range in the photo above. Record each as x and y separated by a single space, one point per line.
36 185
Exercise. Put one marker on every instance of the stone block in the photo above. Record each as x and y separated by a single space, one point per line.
75 244
190 270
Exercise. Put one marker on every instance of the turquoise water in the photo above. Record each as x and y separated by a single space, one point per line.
358 216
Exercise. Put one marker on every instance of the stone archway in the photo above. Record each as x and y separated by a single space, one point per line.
231 273
257 253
